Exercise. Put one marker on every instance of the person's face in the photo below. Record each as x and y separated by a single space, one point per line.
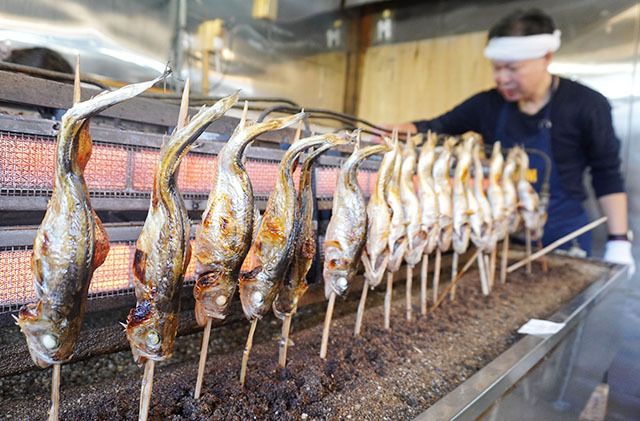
520 80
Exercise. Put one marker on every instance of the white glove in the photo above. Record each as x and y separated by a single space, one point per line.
619 251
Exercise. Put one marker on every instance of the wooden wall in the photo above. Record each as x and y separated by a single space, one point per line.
422 79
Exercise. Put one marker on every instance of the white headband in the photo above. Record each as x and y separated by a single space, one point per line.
523 47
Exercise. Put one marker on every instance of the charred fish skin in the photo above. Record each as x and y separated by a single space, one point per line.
347 229
295 285
375 255
482 221
163 250
71 241
461 193
224 236
273 243
427 193
529 201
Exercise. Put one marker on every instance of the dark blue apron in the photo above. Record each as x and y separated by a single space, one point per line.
566 214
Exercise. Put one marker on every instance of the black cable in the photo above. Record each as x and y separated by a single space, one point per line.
48 74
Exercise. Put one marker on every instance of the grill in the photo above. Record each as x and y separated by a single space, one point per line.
119 176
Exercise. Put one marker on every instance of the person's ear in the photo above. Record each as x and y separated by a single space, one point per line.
547 59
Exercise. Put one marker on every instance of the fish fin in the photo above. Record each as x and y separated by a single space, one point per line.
101 242
84 145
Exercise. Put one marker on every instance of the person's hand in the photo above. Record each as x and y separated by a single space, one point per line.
402 128
619 251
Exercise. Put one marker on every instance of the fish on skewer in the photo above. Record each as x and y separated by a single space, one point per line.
442 185
295 285
163 250
428 210
465 205
228 222
273 244
498 208
416 236
346 233
480 219
375 255
511 206
397 229
71 241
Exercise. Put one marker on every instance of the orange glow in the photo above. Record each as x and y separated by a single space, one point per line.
17 283
197 173
107 168
326 181
26 162
263 176
115 272
144 167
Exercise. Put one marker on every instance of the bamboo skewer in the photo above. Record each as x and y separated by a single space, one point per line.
454 273
503 259
458 277
487 268
424 272
203 358
360 314
247 350
145 391
492 266
55 392
527 234
327 325
387 301
557 244
284 341
484 283
436 275
408 291
543 261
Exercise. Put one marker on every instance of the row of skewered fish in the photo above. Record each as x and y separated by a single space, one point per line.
399 223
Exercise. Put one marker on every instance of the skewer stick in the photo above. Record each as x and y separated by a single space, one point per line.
247 350
284 342
424 272
360 314
77 97
436 275
557 243
458 277
487 268
492 266
387 301
327 325
409 292
454 273
527 234
145 391
483 275
543 260
203 358
55 392
503 259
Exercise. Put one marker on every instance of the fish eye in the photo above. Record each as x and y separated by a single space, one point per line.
153 338
342 282
221 300
258 297
49 341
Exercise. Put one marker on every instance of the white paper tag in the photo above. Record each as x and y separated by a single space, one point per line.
542 328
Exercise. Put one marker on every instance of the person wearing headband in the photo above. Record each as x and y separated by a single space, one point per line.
569 122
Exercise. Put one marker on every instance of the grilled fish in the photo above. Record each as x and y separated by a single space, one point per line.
427 193
273 245
461 195
224 236
416 236
442 186
510 193
496 196
347 229
481 221
398 226
163 250
529 201
71 241
375 255
295 284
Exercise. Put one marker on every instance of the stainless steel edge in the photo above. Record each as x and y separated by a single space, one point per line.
477 394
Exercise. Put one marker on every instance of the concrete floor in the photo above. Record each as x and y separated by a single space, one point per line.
624 372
